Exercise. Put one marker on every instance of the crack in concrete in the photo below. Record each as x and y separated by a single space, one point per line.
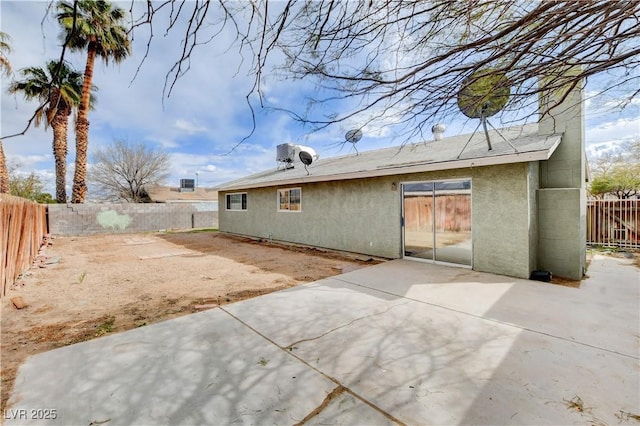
327 400
332 379
292 346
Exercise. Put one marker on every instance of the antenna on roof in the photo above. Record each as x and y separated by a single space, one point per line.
306 159
484 94
353 136
286 156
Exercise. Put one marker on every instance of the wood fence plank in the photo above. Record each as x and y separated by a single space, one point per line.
22 230
613 223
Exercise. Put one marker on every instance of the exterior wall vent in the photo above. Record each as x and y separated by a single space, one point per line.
438 130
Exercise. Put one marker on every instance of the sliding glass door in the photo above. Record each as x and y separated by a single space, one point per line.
437 221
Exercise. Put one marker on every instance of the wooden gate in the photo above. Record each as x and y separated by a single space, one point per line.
613 223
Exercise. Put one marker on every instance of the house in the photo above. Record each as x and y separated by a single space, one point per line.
511 210
169 194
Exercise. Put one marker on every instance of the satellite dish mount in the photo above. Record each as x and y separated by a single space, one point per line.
306 159
484 94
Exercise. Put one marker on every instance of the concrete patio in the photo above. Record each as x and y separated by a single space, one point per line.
400 342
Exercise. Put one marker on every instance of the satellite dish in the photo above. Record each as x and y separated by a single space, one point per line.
307 155
306 158
353 136
484 93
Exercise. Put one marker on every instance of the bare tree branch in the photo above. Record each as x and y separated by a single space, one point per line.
123 170
405 61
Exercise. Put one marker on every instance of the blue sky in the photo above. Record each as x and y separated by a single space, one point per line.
206 114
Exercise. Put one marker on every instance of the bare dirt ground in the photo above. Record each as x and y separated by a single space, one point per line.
86 287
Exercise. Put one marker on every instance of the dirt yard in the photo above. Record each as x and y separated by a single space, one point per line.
81 288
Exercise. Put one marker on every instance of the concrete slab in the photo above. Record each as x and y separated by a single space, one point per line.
441 340
205 368
345 409
603 312
425 364
402 341
134 241
166 254
311 310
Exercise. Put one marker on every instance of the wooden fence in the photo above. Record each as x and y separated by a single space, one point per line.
613 223
23 225
453 213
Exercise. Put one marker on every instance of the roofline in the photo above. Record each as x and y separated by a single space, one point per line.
522 157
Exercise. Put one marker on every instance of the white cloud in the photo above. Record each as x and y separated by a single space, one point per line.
189 127
25 163
164 142
621 129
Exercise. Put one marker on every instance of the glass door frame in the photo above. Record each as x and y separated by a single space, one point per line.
434 242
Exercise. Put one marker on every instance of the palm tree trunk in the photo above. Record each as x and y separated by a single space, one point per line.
80 175
82 131
59 124
4 173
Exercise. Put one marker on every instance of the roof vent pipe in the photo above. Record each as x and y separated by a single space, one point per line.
438 130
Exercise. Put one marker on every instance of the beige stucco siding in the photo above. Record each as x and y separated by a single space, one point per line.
356 215
502 220
533 180
364 215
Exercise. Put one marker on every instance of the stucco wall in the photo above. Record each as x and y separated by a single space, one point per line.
88 219
358 216
501 220
364 216
562 231
562 194
533 180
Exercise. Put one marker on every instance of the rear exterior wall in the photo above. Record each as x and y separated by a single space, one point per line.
364 216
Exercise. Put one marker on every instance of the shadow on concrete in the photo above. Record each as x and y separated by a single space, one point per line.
442 345
419 343
203 368
576 356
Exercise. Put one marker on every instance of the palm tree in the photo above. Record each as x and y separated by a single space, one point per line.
5 66
60 87
99 30
5 48
4 173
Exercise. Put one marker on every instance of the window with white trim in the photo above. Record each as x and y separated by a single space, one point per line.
290 200
237 201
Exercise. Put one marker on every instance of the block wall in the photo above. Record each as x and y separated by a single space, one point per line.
89 219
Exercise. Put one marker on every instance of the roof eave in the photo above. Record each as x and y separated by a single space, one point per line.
520 157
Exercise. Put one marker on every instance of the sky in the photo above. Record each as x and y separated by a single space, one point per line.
206 115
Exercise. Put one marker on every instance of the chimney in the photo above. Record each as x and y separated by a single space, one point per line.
561 212
566 168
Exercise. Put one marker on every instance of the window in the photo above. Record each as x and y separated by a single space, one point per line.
237 201
289 199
